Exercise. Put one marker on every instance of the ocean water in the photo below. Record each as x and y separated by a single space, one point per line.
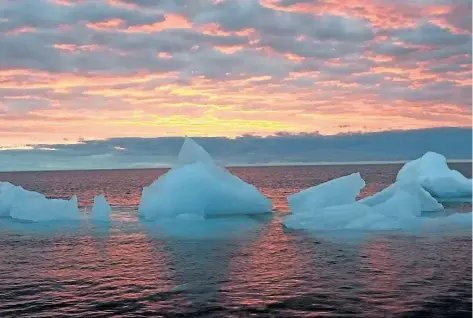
248 268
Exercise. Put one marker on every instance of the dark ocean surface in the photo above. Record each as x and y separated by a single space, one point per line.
131 269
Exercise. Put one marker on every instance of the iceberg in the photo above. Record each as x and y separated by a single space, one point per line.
397 212
101 210
338 191
40 209
197 186
428 203
331 206
431 171
11 195
25 205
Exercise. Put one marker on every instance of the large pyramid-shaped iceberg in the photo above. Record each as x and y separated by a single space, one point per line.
433 174
197 186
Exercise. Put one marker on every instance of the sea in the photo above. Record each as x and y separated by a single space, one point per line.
131 269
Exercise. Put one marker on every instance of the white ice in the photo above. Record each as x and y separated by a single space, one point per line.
25 205
197 186
101 210
338 191
433 174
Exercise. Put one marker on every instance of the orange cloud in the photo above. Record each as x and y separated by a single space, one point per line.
229 101
382 14
106 25
25 29
172 21
228 49
165 55
230 108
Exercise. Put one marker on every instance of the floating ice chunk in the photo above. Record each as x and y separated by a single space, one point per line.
39 208
397 212
197 186
428 203
101 209
22 204
432 172
338 191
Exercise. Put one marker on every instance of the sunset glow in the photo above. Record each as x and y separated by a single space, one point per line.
102 69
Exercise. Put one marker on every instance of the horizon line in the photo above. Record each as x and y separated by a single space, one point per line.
250 165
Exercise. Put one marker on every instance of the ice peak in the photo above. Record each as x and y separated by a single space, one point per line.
191 152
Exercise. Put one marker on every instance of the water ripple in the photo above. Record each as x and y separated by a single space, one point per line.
129 270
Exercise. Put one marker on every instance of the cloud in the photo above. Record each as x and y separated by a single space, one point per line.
43 14
431 34
130 68
278 148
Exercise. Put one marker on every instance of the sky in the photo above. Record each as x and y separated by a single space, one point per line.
91 70
97 70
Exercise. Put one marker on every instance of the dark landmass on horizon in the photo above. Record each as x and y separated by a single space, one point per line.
279 149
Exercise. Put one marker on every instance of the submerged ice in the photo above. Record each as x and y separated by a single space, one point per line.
197 186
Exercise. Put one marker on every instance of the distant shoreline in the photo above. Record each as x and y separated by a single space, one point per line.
235 165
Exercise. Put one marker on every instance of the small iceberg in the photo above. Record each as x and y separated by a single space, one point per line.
398 207
431 171
43 209
101 210
395 213
31 206
11 195
198 187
